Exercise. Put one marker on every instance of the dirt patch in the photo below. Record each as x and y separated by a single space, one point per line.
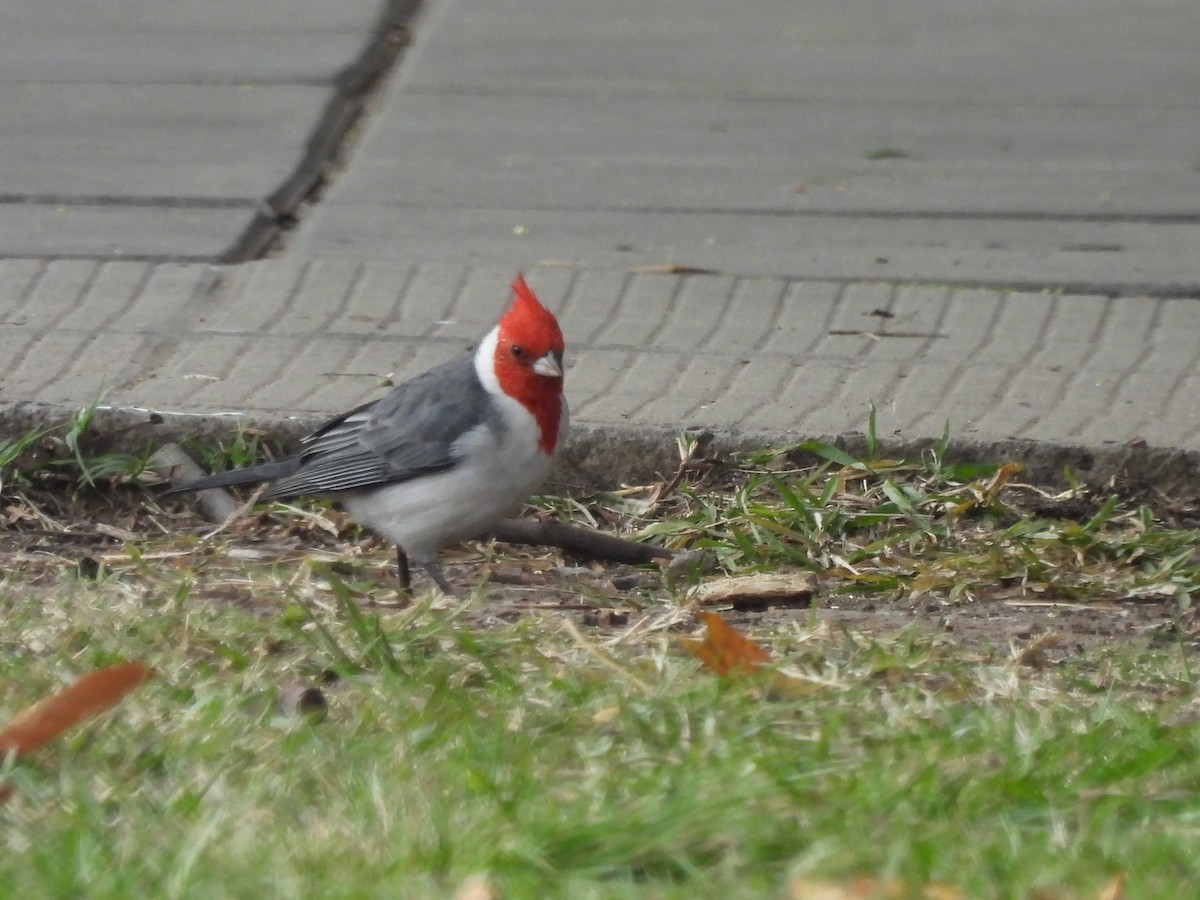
1008 623
1060 628
522 585
52 538
613 597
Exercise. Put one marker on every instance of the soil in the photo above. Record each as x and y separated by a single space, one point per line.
1008 623
46 535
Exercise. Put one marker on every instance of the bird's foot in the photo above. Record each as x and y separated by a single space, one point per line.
435 572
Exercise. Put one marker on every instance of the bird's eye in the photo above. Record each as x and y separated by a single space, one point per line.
518 351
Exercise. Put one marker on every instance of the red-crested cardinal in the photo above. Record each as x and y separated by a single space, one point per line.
442 457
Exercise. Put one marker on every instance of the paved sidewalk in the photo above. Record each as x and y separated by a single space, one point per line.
1028 144
172 130
760 220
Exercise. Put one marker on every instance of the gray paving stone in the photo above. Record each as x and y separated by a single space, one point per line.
120 57
127 142
1158 258
827 49
1182 412
807 313
179 338
116 231
212 17
669 154
941 143
134 129
702 378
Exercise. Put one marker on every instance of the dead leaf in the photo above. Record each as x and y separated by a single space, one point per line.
759 591
560 264
986 493
858 889
815 889
87 696
866 888
477 887
1001 478
724 649
1114 888
606 716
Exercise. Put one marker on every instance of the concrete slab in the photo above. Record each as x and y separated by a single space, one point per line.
121 230
132 141
212 17
214 42
136 130
669 129
1052 254
718 155
176 57
1025 52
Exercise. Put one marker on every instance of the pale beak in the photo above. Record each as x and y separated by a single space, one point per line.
548 366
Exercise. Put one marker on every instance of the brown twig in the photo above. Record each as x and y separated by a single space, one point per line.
688 462
583 541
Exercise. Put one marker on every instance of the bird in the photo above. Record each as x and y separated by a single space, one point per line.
444 456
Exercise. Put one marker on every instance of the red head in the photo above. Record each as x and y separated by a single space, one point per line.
529 358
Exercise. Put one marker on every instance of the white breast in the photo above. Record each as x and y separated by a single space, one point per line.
494 477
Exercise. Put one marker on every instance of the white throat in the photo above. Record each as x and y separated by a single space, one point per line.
485 362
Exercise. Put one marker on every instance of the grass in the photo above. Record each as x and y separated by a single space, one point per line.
479 738
606 766
961 532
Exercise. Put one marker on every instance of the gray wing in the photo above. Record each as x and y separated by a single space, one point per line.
412 431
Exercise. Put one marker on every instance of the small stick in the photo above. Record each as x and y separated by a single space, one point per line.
688 462
583 541
216 504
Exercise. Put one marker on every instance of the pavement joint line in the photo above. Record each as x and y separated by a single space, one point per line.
1150 290
169 258
786 212
168 202
354 85
681 93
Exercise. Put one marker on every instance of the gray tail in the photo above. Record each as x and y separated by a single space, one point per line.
249 475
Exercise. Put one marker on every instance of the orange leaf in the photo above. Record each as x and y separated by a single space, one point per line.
997 481
725 649
86 696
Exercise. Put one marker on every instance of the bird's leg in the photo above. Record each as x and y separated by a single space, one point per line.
402 571
435 572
